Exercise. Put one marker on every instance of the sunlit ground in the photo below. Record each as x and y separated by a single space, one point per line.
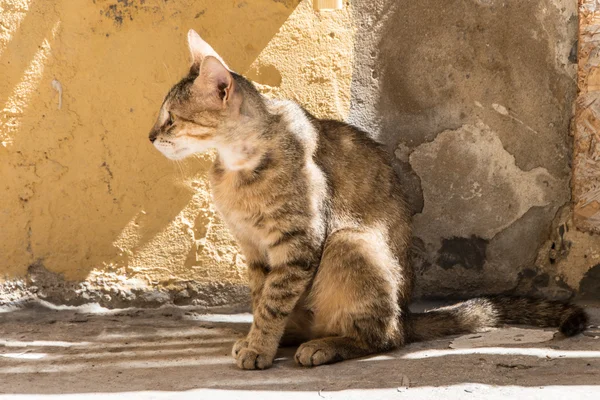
92 353
463 391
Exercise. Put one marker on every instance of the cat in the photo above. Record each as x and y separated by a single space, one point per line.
319 214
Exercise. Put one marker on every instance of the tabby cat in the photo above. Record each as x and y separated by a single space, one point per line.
317 211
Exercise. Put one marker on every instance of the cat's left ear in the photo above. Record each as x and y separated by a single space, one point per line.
199 50
216 81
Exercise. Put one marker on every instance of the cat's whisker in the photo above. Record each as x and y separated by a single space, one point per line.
181 174
182 169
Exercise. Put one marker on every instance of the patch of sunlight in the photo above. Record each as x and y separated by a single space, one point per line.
12 14
167 248
99 353
91 308
130 236
9 309
55 29
24 356
233 318
165 343
330 62
463 391
534 352
160 333
381 357
113 364
11 114
41 343
275 381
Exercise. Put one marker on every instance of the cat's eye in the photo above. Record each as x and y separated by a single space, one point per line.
171 120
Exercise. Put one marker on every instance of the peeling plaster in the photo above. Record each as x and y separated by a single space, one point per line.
472 185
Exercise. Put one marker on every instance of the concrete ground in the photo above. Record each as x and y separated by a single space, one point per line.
92 353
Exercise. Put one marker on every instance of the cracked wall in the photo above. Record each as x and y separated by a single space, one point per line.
475 99
89 210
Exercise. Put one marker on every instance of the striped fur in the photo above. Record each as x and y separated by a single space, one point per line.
476 314
319 215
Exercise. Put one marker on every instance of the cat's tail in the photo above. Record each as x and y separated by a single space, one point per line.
484 312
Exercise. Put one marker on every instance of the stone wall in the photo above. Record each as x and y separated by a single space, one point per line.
473 97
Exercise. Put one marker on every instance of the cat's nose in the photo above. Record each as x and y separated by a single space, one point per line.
153 135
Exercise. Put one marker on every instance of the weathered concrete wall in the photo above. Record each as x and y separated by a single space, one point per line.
89 210
475 98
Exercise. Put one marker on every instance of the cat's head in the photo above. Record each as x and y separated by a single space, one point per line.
204 109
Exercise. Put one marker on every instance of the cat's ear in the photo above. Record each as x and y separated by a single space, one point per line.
199 49
216 79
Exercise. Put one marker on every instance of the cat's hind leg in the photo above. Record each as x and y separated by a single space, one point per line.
354 299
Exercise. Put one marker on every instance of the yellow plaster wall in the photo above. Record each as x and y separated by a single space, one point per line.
83 195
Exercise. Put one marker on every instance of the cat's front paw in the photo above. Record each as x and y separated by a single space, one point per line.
248 358
238 346
316 352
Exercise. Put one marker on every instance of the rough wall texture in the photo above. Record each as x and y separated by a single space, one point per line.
475 99
586 169
89 211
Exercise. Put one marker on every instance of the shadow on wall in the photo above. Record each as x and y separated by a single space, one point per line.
82 186
474 99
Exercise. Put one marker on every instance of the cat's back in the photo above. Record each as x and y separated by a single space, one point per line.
363 183
342 161
349 147
355 166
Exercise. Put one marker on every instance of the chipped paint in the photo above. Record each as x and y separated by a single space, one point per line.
482 188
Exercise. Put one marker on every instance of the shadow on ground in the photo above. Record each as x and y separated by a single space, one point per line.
49 351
